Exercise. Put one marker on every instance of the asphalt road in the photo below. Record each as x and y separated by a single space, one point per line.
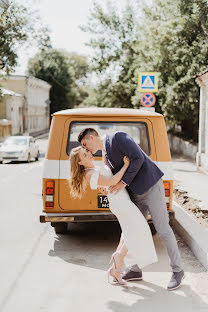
42 271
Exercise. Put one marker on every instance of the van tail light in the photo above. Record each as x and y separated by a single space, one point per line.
49 194
167 193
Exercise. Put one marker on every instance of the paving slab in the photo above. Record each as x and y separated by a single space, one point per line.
189 179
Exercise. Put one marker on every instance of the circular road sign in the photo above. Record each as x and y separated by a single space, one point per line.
148 99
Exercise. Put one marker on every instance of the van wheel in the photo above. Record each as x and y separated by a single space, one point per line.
60 227
29 158
37 157
152 228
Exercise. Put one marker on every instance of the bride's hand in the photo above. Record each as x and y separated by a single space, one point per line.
126 160
102 190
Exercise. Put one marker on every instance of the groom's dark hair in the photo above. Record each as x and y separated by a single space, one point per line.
85 132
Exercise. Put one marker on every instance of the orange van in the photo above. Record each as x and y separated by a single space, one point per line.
147 128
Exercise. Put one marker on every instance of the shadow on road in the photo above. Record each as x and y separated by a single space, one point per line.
91 245
88 244
155 298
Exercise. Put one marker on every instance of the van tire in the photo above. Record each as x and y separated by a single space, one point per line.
28 158
152 228
37 157
60 227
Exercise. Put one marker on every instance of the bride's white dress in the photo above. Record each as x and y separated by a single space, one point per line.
135 229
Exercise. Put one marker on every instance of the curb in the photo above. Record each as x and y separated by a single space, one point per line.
202 170
42 136
195 235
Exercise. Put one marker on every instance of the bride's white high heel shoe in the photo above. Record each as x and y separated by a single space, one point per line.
116 270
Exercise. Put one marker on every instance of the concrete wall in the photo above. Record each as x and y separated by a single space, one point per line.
202 155
181 147
5 128
38 114
11 109
14 106
16 85
3 108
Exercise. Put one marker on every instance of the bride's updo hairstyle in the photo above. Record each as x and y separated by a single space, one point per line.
77 181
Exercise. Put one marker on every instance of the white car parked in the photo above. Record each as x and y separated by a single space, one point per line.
19 148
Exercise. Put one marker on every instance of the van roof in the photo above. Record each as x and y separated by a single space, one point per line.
96 111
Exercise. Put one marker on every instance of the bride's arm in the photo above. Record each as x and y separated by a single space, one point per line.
109 181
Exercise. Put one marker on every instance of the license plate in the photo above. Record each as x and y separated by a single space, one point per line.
103 201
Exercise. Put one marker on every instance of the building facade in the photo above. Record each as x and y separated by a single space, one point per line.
202 154
11 109
36 104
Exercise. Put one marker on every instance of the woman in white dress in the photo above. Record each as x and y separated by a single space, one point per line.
136 242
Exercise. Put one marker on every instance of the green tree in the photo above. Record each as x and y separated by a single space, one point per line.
113 41
18 26
172 42
177 34
79 65
52 66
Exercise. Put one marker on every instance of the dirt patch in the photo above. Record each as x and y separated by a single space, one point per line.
191 205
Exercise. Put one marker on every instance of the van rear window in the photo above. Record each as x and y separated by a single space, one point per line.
137 130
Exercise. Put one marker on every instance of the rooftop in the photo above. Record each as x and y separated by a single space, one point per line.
201 74
10 92
26 78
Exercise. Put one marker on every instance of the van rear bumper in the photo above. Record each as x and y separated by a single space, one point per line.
85 217
77 217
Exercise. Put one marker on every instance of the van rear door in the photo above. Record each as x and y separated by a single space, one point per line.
140 130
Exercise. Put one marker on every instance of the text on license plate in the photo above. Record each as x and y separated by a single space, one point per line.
103 201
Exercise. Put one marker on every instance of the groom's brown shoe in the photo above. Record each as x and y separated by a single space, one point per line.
132 276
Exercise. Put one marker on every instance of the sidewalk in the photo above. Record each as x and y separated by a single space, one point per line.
42 136
191 206
188 179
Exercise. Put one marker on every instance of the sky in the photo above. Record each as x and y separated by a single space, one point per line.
63 18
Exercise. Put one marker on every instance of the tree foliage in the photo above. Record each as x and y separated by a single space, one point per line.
79 65
179 35
113 42
172 42
52 66
18 25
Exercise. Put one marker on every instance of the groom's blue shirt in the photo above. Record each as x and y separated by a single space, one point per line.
142 172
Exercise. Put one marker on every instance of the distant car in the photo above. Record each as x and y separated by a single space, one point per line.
19 148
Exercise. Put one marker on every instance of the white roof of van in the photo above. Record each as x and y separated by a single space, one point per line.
106 111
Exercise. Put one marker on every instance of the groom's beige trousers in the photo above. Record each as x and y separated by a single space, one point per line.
153 202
